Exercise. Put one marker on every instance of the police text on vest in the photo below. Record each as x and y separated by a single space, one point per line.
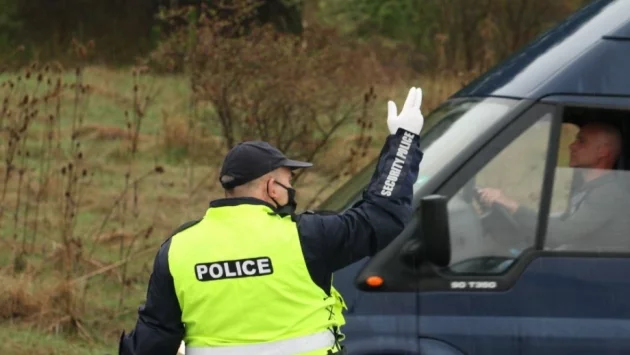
397 165
230 269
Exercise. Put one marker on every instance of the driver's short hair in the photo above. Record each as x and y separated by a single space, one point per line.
612 133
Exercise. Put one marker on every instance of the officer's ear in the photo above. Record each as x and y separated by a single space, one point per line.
270 185
273 188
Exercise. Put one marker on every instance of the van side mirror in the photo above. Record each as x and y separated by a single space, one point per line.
435 230
426 239
432 242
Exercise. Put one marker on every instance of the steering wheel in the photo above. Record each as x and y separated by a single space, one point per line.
497 209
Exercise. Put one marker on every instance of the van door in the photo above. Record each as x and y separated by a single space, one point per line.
471 313
537 285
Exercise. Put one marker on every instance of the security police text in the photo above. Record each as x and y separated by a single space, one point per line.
397 165
230 269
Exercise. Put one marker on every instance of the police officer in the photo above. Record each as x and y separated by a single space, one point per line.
250 276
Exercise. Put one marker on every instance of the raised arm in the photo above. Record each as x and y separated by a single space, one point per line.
335 241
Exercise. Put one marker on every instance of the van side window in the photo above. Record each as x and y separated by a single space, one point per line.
591 196
484 235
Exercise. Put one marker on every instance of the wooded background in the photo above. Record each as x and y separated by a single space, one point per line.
459 34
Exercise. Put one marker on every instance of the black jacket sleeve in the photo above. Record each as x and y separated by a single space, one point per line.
331 242
158 330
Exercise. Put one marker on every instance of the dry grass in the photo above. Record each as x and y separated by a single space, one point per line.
19 299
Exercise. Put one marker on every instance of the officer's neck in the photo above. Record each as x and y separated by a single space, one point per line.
237 201
252 195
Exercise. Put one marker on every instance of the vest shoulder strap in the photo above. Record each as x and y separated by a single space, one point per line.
181 228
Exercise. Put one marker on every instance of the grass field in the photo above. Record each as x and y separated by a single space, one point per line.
93 179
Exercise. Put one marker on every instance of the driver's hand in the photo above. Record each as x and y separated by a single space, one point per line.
490 196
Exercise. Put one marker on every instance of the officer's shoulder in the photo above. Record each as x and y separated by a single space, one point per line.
314 213
180 229
320 212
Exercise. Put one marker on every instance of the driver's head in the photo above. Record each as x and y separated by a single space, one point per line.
597 146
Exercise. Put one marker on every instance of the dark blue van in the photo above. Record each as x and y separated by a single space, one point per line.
466 277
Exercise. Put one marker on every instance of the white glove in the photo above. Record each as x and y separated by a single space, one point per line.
410 118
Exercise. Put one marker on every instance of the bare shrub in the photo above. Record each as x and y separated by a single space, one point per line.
251 82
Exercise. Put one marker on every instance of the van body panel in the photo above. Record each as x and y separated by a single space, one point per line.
559 304
384 345
533 317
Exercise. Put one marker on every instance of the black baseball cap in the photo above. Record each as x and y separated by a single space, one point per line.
253 159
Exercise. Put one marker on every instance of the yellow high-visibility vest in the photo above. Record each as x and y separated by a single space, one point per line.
243 286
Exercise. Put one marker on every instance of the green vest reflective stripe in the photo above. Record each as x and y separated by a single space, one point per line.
240 278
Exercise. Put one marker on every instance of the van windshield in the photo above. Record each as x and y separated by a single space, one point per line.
453 127
448 130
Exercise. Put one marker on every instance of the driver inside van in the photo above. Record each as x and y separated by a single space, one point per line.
596 218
